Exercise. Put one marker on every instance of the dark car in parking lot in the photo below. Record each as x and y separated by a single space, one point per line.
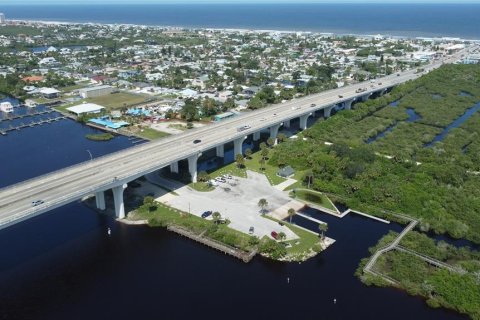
206 214
197 141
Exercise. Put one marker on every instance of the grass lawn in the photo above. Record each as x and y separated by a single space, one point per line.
201 187
118 100
300 247
151 134
229 169
269 171
314 197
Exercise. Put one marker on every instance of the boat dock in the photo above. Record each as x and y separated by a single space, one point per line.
237 253
4 131
20 116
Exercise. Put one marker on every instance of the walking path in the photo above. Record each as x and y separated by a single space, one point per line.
430 260
391 246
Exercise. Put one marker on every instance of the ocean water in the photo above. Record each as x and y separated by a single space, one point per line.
409 20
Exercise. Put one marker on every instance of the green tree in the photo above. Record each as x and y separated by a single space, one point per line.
282 236
203 176
308 177
264 153
262 163
263 204
281 137
270 142
240 161
216 216
248 153
149 202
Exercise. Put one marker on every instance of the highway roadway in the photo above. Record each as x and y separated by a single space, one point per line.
70 184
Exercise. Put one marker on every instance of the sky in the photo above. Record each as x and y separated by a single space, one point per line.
66 2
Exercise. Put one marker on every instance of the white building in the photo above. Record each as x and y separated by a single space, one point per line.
86 108
2 18
95 91
6 107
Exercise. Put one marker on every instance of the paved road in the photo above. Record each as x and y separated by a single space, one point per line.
70 184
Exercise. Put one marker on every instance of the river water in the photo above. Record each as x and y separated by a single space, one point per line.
64 265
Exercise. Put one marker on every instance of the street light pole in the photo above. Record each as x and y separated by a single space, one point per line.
91 157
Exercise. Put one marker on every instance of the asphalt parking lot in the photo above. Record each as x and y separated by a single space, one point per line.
237 200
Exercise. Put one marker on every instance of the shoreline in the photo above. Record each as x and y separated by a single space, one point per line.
250 30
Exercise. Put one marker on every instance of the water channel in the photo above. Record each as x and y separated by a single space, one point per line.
63 264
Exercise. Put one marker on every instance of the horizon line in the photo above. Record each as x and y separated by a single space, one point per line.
249 2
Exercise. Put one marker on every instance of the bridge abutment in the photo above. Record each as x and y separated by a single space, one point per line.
118 200
286 123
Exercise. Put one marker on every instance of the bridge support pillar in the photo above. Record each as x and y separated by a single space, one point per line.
274 132
256 136
237 146
220 151
286 123
118 200
348 104
303 121
174 167
100 200
192 166
328 111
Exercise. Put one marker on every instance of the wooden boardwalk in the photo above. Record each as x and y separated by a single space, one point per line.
429 260
396 246
237 253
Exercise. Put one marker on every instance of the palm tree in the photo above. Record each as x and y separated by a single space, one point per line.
248 153
264 153
263 203
291 212
323 227
262 164
282 236
216 216
239 160
308 177
270 142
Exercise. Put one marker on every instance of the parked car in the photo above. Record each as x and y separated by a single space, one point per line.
197 141
206 214
274 235
340 96
251 230
313 105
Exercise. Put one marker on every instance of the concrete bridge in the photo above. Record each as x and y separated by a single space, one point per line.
116 170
